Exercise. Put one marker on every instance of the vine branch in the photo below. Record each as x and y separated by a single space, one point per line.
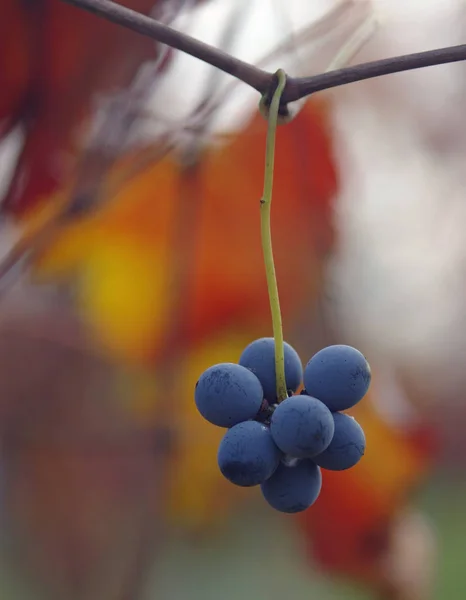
260 80
304 86
116 13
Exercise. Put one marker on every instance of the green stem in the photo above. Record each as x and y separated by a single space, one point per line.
265 206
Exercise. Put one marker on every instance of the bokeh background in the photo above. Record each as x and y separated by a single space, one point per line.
130 176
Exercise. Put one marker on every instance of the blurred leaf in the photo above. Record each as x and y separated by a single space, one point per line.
54 58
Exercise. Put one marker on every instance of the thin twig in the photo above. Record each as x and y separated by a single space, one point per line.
318 32
296 88
253 76
262 81
304 86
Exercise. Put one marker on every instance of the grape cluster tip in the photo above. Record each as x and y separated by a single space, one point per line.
283 445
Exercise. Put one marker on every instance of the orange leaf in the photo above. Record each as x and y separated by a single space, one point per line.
204 225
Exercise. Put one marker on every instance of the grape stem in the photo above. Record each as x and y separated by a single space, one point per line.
266 233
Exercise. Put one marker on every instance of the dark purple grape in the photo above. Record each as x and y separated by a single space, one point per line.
302 426
227 394
347 447
339 376
247 454
259 357
293 488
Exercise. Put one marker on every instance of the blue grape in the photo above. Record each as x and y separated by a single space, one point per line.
227 394
293 488
347 447
339 376
247 454
259 357
302 426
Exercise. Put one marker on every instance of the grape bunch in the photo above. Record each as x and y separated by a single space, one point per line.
283 445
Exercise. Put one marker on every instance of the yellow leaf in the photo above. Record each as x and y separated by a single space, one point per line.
123 294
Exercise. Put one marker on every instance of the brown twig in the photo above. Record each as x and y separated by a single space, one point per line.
299 88
260 80
256 78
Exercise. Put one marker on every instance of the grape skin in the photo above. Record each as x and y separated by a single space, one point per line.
339 376
227 394
347 447
302 426
259 357
247 454
293 489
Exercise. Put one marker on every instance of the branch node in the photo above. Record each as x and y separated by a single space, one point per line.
284 113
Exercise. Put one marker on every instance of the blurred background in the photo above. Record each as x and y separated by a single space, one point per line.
130 261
